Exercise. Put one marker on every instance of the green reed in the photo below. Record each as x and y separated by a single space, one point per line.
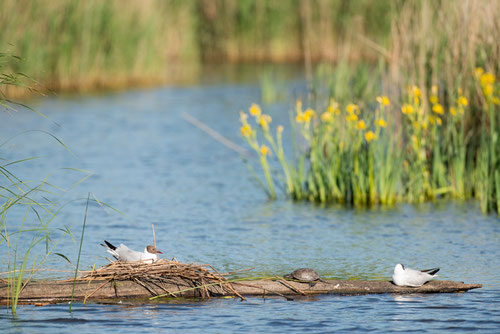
39 202
87 45
412 150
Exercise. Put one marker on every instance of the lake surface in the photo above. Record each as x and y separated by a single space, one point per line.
155 167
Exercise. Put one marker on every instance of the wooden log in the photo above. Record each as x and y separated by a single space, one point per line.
60 291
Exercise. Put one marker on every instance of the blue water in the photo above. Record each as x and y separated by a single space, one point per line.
154 167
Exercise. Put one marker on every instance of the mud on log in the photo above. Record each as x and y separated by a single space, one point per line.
60 291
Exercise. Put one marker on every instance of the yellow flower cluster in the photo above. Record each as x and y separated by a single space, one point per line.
249 133
462 100
264 121
261 119
352 108
434 99
327 117
255 110
351 117
381 122
306 116
417 94
383 100
487 81
361 125
407 109
369 136
264 150
333 107
246 130
438 109
331 111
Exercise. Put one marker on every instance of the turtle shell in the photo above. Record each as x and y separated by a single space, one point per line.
303 274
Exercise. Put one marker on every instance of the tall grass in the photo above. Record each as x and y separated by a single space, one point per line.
36 202
86 45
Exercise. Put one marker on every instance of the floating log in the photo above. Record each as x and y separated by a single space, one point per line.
116 290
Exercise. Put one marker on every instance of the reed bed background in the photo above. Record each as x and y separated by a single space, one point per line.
89 45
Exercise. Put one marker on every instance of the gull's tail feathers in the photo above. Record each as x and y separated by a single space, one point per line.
432 271
108 245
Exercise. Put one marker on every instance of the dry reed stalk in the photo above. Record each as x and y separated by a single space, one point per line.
97 289
264 290
229 285
444 40
291 287
154 236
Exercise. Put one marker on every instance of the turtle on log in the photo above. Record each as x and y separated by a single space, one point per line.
304 275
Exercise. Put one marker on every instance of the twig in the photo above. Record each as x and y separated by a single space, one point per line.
264 289
236 271
154 238
291 287
90 281
377 47
229 284
217 136
98 288
41 269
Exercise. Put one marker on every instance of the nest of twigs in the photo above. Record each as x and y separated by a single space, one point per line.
156 276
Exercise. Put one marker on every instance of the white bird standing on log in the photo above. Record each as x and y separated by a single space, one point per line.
410 277
125 254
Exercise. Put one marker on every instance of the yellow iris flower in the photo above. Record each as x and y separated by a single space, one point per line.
438 109
407 109
327 117
361 125
255 110
351 117
351 108
369 136
264 150
308 115
462 100
246 130
381 122
383 100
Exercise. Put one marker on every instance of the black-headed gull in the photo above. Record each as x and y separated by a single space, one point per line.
125 254
410 277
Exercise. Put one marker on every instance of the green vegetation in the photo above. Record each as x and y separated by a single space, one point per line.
434 135
87 45
36 202
366 157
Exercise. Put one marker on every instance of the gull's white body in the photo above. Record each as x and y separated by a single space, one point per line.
125 254
410 277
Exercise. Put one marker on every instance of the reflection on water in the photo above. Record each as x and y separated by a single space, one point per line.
157 168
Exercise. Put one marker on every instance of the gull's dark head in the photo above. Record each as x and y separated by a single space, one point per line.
152 250
399 268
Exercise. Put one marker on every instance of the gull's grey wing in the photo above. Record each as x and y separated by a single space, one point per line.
128 255
416 277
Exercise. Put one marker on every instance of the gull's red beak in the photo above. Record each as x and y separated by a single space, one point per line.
159 252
